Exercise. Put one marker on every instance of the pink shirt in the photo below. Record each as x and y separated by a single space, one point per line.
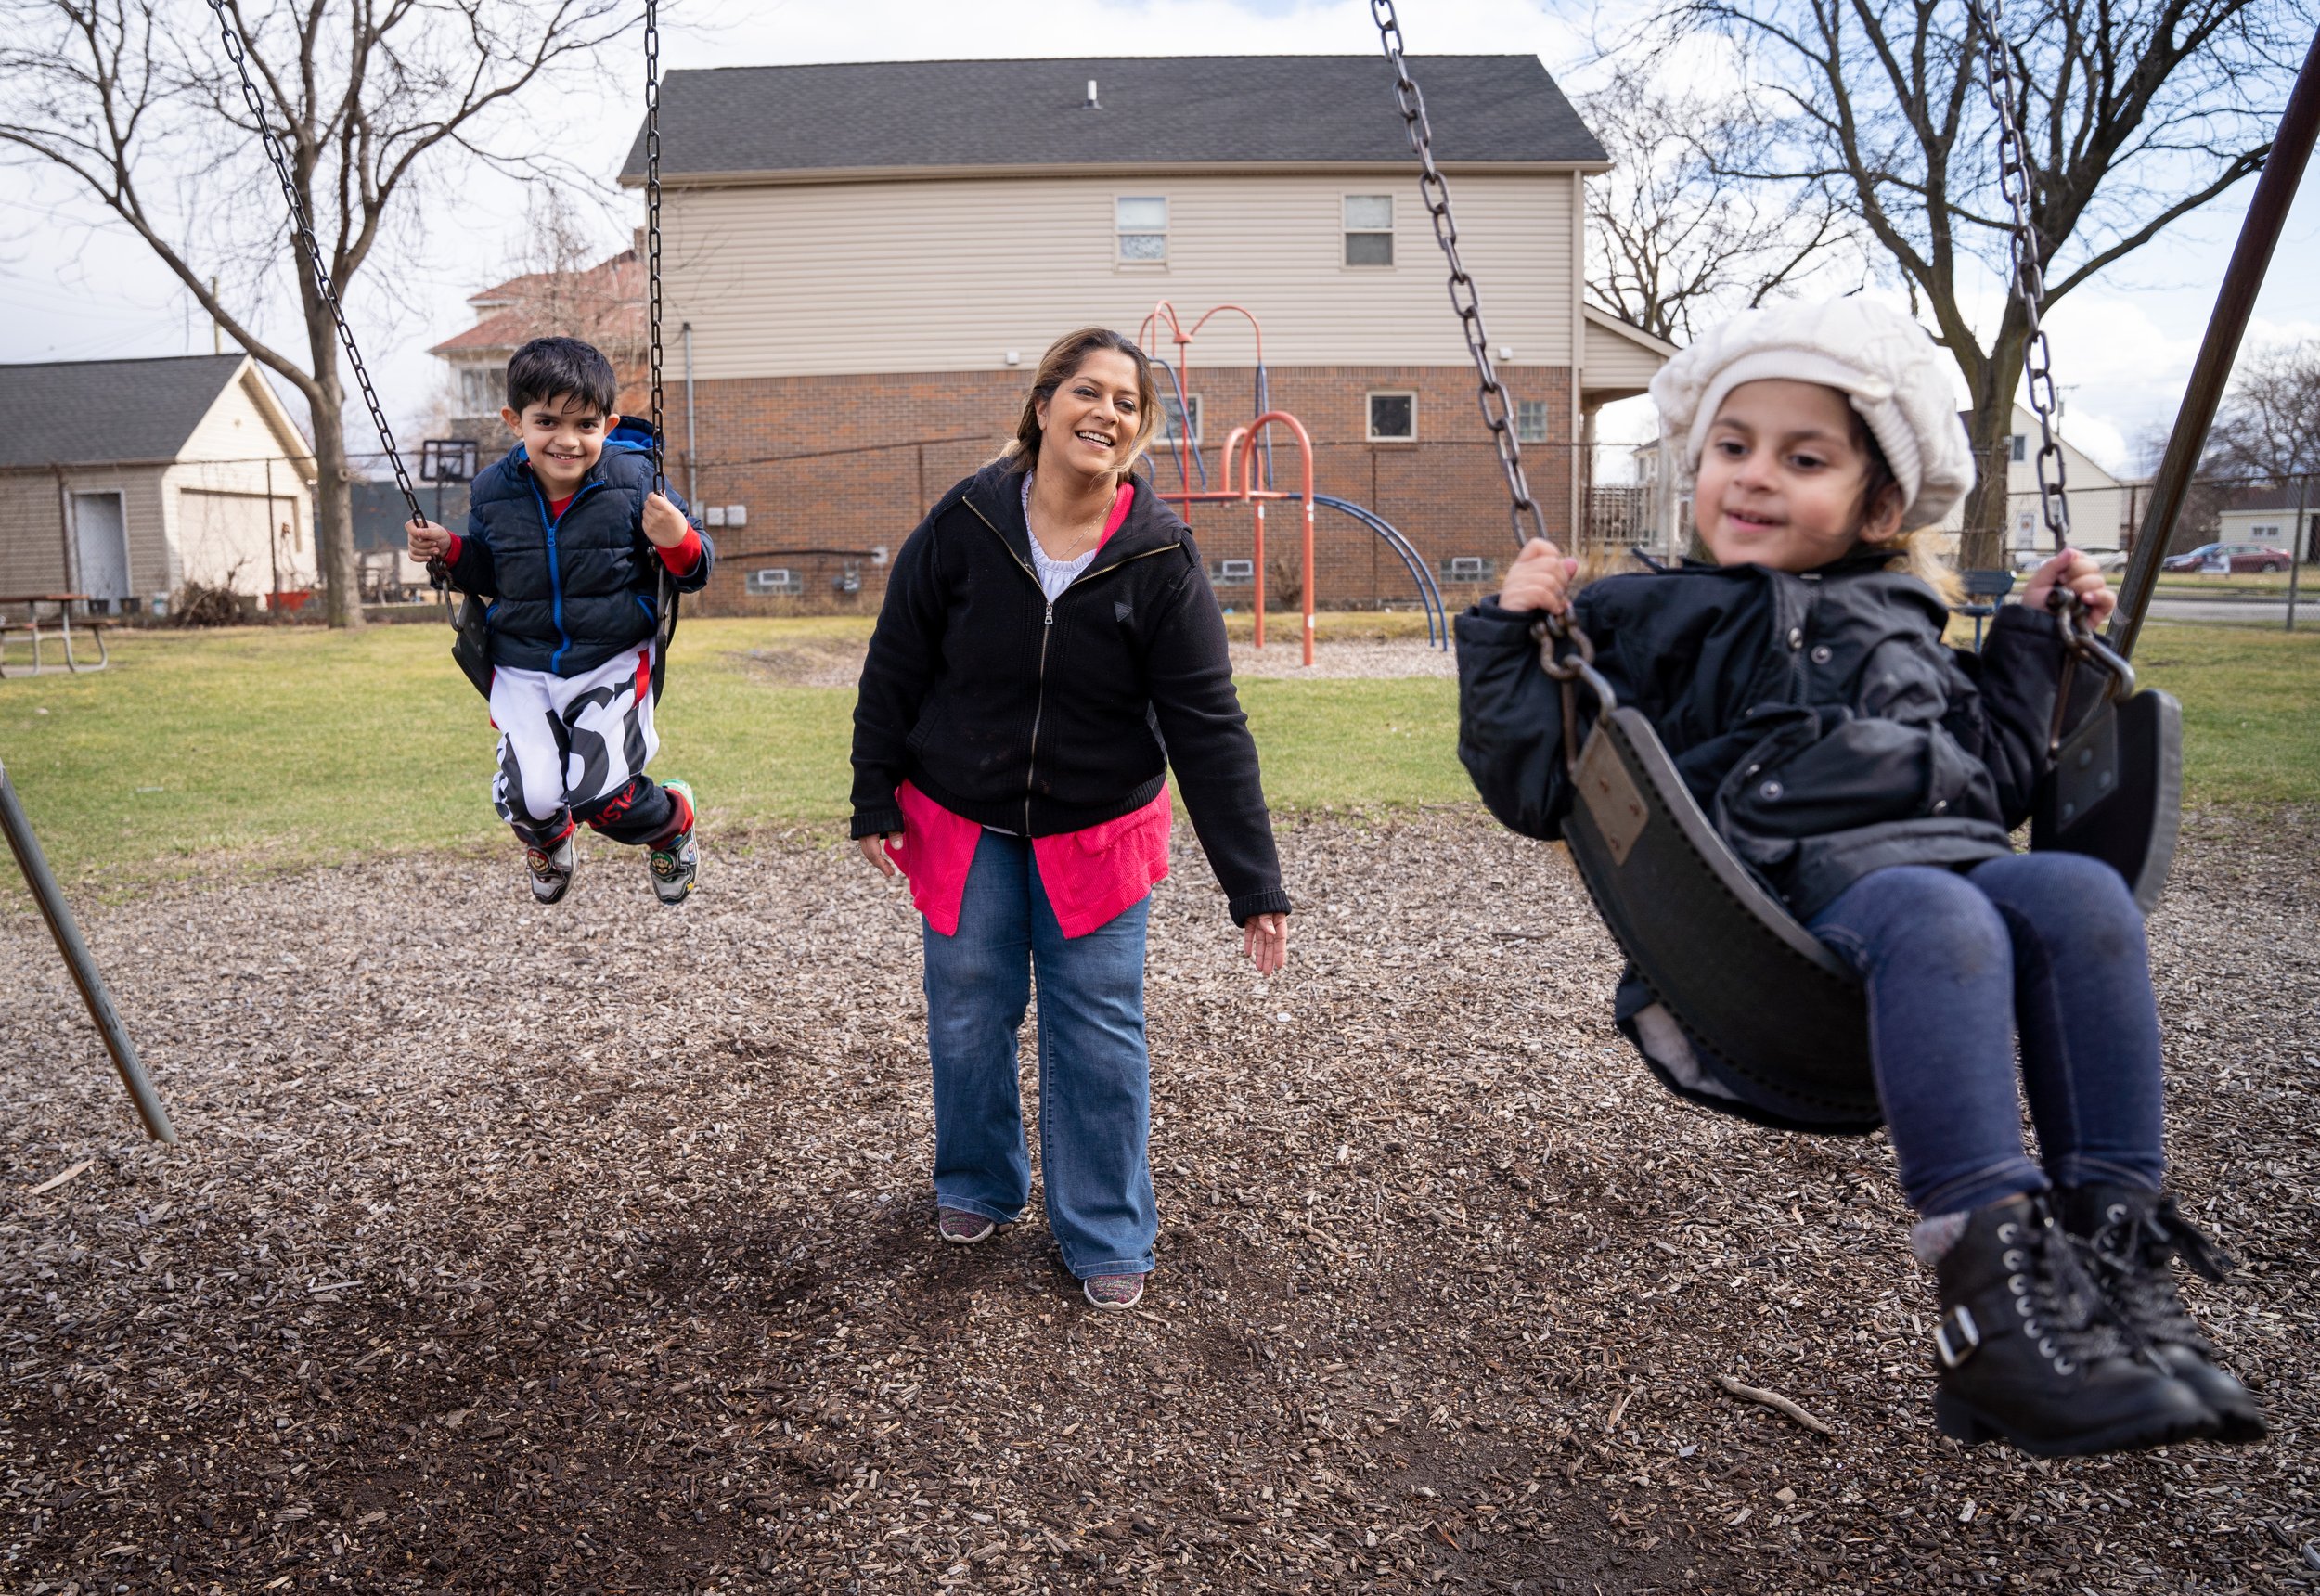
1090 877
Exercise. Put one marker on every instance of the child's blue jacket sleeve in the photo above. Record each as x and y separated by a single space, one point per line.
473 572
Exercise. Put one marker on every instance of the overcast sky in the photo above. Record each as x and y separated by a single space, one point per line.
76 289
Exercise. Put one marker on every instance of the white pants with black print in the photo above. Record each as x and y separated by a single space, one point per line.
570 743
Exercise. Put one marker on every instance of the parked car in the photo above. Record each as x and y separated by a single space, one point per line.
2227 557
2030 559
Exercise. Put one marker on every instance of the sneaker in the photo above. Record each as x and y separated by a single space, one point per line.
550 867
1117 1292
962 1229
674 863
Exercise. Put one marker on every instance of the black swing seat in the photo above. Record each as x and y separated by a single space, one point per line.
1744 999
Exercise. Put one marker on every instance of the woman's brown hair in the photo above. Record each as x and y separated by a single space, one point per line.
1060 364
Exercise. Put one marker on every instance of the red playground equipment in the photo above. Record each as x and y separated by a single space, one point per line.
1238 462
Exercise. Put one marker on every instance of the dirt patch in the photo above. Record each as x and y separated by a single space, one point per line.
590 1250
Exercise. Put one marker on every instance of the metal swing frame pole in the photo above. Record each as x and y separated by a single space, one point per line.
77 959
2234 302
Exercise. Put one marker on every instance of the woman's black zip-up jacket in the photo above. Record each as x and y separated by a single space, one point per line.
1042 718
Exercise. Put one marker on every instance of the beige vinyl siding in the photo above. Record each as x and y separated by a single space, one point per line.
234 487
1615 361
31 533
948 276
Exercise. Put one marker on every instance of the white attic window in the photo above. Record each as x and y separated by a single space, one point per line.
1140 221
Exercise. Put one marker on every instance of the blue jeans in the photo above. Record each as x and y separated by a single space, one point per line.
1095 1077
2050 945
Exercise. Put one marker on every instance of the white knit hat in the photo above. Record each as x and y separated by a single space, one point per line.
1884 363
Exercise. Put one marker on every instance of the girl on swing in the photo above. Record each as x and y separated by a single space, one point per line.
1870 776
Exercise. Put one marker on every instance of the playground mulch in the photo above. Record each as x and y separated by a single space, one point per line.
591 1251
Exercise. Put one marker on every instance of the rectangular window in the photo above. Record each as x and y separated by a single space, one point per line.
1172 419
2020 441
1369 229
1235 573
777 583
482 389
1393 417
1530 421
1140 222
1466 568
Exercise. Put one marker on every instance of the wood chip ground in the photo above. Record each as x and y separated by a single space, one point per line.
590 1250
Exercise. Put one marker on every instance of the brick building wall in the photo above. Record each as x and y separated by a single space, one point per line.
828 470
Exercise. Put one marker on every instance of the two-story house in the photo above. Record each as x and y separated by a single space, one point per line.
864 262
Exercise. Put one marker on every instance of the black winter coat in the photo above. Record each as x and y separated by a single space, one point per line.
569 592
1042 718
1818 719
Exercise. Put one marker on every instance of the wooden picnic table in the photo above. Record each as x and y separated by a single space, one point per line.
58 625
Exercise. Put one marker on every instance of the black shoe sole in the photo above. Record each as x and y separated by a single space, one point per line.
1963 1422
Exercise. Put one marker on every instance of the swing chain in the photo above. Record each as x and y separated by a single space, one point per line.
1497 407
652 228
2016 184
229 30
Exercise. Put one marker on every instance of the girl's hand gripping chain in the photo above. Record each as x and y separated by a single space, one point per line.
428 541
1539 579
2077 574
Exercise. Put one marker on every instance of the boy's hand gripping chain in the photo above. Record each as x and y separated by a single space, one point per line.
229 28
1497 408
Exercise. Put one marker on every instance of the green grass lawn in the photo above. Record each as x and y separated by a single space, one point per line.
206 750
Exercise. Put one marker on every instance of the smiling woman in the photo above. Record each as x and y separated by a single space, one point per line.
1048 648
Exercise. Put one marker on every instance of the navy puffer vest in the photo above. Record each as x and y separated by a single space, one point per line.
570 591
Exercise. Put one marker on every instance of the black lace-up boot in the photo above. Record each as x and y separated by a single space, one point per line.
2127 1238
2027 1350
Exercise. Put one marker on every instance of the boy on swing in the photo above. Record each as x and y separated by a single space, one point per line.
1870 776
568 539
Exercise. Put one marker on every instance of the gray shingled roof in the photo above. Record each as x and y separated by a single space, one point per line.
86 412
1156 109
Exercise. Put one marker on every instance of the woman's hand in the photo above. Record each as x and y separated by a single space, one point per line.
1265 939
427 541
2079 574
874 850
1539 579
665 524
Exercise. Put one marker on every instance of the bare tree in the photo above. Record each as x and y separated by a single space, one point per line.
2134 113
1675 240
563 282
2270 423
136 101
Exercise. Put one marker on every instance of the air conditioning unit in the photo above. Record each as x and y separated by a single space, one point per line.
774 582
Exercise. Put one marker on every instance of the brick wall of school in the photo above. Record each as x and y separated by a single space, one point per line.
828 470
